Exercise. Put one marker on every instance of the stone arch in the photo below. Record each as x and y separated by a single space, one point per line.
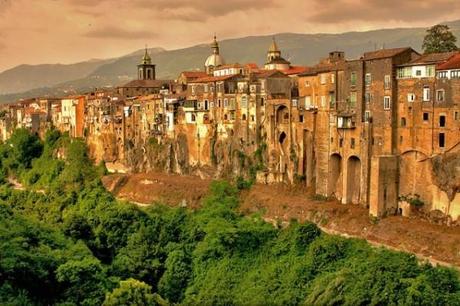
282 114
335 172
353 180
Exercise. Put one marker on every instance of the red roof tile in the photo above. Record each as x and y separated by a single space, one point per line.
194 74
433 58
452 63
296 70
214 78
384 53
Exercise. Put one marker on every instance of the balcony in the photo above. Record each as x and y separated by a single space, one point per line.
346 121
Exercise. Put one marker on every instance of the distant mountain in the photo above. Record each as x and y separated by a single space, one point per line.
26 77
300 49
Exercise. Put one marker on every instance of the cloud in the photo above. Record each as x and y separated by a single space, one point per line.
337 11
111 32
5 5
186 10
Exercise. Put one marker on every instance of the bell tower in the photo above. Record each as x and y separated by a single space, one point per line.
146 70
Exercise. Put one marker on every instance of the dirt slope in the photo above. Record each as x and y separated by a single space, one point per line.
279 203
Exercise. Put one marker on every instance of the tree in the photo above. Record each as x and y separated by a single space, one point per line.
439 38
133 292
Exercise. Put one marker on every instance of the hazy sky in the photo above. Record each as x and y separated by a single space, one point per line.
66 31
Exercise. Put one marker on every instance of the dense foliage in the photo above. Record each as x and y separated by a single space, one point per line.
439 39
65 240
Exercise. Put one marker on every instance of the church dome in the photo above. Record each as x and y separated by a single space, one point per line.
215 59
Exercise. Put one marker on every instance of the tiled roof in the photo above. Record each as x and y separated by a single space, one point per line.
268 73
146 83
433 58
320 68
384 53
214 78
296 70
452 63
252 66
194 74
235 65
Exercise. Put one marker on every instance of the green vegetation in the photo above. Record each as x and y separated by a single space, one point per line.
438 39
65 240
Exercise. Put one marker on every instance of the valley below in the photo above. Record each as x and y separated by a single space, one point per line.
278 204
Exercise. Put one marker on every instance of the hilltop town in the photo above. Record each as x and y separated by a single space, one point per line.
381 131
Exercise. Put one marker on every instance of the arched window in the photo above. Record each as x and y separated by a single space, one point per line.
243 117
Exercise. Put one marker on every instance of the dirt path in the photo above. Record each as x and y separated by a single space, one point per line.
436 243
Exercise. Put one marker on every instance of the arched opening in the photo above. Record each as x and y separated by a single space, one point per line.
335 171
353 180
282 114
282 137
149 74
243 117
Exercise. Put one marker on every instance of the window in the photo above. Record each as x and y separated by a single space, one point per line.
307 83
225 102
440 95
426 116
418 72
442 74
301 118
323 101
332 100
386 102
219 104
403 122
323 78
332 78
368 97
243 117
193 118
253 118
442 121
426 94
341 142
244 101
410 97
352 143
353 98
262 101
307 101
387 82
455 74
368 79
456 115
367 116
442 140
430 71
353 78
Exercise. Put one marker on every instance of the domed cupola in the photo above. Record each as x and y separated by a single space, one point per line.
274 59
215 59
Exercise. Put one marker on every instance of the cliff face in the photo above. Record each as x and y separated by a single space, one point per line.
207 156
446 173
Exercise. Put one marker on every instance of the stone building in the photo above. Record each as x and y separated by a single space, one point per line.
146 82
